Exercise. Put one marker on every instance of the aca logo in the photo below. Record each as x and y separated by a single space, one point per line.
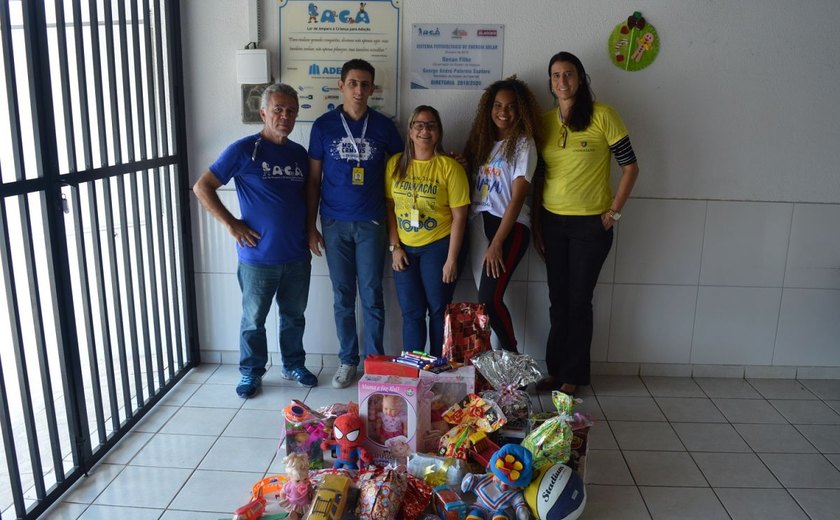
343 16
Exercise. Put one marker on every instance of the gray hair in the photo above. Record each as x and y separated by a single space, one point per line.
277 88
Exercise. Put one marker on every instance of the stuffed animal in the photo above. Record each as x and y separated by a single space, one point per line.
501 489
348 435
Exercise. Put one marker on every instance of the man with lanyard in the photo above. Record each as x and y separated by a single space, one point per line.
348 148
270 173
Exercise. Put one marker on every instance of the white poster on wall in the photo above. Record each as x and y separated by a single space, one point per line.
456 56
317 38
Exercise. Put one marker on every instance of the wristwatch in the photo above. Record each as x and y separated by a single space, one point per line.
615 215
392 247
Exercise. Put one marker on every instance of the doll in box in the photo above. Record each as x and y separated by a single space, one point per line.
392 420
297 491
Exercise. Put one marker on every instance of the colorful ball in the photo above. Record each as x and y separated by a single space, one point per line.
556 493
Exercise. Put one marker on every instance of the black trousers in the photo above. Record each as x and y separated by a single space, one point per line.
575 250
491 291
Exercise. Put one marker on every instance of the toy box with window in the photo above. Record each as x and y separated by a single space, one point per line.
393 411
443 390
304 429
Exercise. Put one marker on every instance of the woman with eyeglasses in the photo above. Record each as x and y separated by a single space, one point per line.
575 210
427 198
501 154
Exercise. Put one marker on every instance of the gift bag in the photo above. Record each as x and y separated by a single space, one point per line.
466 334
381 492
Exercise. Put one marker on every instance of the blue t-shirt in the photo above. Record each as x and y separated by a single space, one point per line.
341 199
271 186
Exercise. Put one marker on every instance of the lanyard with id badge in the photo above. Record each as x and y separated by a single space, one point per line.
358 173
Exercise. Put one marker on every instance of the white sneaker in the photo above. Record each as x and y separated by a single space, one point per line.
344 376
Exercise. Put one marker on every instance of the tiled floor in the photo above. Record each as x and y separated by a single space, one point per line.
661 448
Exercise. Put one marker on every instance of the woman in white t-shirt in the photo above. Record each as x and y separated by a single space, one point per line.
501 154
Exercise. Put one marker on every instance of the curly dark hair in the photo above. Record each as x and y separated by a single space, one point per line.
483 133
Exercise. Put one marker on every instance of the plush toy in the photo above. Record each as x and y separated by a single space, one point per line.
349 435
501 489
297 491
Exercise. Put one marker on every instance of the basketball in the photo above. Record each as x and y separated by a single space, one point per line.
556 493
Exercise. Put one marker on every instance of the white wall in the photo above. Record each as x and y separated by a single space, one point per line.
727 253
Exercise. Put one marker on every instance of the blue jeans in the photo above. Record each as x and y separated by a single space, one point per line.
356 253
289 285
420 289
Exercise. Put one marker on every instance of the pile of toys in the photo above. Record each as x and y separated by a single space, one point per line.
422 444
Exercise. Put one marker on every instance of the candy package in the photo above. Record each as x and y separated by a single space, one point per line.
508 374
551 442
469 416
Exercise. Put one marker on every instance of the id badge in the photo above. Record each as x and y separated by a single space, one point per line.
358 176
415 218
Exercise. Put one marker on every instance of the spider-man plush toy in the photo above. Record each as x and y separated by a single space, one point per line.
349 434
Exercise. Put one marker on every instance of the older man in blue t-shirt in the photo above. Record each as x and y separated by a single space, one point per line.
270 173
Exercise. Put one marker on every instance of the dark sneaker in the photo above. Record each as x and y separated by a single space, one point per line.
300 374
248 386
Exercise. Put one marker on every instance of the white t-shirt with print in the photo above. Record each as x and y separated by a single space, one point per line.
493 184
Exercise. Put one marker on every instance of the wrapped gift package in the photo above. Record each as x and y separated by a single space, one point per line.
393 412
470 415
381 492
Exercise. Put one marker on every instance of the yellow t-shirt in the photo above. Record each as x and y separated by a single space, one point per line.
436 185
577 177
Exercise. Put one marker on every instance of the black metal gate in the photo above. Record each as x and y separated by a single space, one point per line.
97 315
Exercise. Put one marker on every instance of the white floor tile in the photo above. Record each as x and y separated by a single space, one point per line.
781 389
664 468
820 504
174 451
672 387
735 470
127 448
624 386
607 467
653 436
156 418
806 412
727 387
614 503
826 438
216 491
667 503
710 437
257 424
749 411
98 512
215 396
630 409
774 438
240 454
88 488
199 421
138 486
823 388
767 504
689 409
802 470
65 511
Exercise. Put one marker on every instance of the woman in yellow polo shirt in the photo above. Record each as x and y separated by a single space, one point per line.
427 197
574 213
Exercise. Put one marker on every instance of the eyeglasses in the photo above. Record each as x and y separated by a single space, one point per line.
428 125
564 133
